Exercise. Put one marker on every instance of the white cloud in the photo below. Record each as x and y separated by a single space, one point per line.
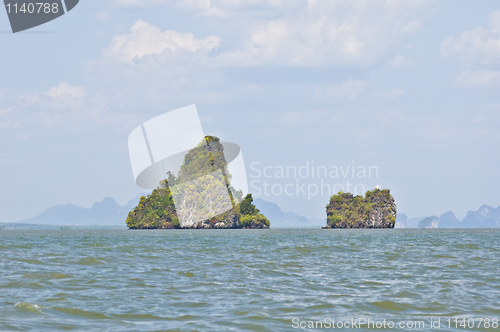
409 128
488 114
423 131
231 8
328 32
145 40
300 118
160 68
74 96
139 3
393 115
399 61
202 8
63 107
65 90
439 131
57 97
389 94
27 99
23 136
4 111
208 7
481 45
478 79
103 16
305 33
350 89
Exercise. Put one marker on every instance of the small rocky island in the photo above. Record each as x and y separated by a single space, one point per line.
376 210
201 197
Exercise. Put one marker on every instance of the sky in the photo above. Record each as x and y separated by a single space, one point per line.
405 93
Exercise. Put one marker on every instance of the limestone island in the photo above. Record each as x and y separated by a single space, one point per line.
201 188
376 210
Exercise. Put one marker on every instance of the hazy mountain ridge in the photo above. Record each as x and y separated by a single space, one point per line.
104 213
485 217
109 213
280 219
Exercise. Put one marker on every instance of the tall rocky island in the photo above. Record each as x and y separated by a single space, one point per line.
376 210
201 188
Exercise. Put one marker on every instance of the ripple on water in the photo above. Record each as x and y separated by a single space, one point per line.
241 281
89 261
77 313
141 317
28 307
186 274
384 306
47 275
30 261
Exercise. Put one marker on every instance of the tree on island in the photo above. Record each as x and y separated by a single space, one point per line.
206 162
376 210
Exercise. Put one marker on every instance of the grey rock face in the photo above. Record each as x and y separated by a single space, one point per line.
376 210
429 222
485 217
401 221
448 220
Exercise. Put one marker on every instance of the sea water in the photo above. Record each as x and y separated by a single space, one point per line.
249 280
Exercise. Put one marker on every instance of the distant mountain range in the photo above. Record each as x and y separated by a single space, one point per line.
485 217
104 213
280 219
109 213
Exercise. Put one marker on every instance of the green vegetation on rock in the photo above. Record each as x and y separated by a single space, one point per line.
250 216
201 185
376 210
157 210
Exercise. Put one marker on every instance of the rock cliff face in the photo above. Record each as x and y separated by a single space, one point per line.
429 222
485 217
448 220
376 210
401 221
200 196
227 220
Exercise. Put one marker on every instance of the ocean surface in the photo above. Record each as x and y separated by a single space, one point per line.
249 280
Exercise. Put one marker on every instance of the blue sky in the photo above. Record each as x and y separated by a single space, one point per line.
410 87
